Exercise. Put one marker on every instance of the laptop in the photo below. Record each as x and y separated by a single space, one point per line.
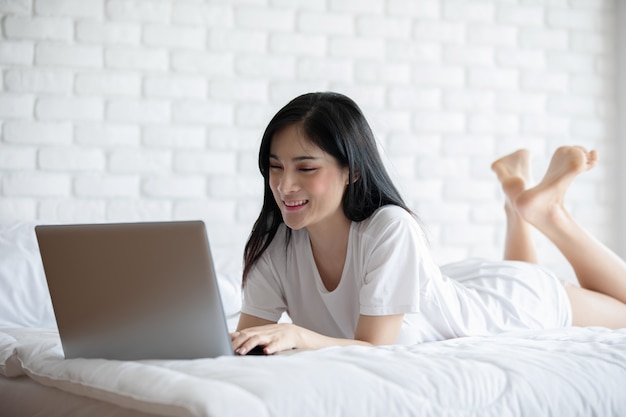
132 291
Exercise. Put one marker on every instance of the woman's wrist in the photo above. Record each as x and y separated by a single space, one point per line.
308 339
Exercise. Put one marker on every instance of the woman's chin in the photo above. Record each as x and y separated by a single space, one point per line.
294 221
295 226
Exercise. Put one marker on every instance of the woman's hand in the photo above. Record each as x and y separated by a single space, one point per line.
276 338
273 338
253 331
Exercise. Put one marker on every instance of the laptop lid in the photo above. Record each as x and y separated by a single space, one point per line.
133 291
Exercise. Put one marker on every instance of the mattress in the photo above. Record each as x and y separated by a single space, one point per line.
570 371
23 397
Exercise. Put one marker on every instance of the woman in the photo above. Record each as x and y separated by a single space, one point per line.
337 249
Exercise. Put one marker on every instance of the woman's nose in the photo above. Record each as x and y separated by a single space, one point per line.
288 183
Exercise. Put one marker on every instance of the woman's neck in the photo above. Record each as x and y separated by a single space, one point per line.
329 245
330 234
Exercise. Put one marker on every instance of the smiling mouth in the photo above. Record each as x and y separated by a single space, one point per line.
295 204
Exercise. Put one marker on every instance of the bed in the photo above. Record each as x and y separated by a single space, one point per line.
560 372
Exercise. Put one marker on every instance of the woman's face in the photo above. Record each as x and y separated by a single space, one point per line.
307 183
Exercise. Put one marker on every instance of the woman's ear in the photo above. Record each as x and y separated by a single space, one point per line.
355 177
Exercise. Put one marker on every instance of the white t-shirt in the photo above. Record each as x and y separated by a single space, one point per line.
389 270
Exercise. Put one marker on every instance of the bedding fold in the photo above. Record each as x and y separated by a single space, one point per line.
573 371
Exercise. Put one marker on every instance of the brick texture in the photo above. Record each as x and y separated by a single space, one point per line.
130 110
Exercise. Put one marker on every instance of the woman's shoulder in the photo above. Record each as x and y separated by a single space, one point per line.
389 220
388 215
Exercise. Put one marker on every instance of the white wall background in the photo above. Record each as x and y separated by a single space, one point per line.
116 110
620 173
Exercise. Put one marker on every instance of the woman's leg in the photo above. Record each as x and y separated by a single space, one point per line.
513 171
591 308
600 272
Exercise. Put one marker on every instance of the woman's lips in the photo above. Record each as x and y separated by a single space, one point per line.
294 204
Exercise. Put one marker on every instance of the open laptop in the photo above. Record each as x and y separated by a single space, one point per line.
133 291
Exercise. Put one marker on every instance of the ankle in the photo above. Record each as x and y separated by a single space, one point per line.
541 215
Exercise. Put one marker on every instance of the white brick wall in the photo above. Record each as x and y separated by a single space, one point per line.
130 110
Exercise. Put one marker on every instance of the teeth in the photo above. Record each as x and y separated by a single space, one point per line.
295 203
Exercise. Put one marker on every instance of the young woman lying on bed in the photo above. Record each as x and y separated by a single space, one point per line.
337 248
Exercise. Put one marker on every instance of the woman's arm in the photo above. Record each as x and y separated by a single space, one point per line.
370 331
379 330
246 321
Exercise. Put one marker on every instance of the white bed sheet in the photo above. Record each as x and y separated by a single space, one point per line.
573 372
23 397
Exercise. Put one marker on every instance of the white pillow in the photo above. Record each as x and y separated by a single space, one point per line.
24 297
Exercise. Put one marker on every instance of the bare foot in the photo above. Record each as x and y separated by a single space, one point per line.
544 202
513 171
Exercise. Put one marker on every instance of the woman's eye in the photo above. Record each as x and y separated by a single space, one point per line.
307 169
273 166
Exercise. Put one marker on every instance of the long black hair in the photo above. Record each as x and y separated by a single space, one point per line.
335 124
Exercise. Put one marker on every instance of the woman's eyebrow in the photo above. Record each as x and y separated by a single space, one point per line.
298 158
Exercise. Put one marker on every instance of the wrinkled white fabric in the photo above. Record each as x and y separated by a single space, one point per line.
389 270
565 372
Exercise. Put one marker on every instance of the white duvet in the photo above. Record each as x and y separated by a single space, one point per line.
566 372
